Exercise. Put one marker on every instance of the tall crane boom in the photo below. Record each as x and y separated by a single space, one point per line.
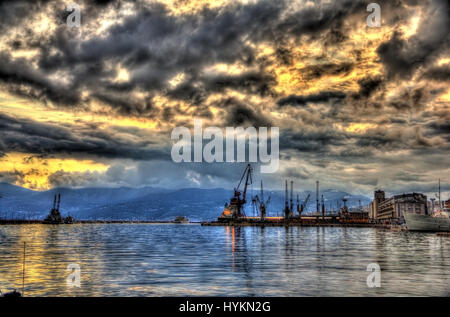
305 203
248 178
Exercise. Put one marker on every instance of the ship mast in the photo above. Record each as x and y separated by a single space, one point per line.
440 204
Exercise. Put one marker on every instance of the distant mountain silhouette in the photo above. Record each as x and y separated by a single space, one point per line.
146 203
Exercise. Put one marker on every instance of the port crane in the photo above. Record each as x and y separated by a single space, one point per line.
301 208
262 205
237 203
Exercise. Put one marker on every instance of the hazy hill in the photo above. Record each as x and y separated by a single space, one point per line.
146 203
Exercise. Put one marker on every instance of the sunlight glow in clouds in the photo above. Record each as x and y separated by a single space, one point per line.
347 98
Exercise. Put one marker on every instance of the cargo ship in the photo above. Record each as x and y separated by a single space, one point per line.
438 221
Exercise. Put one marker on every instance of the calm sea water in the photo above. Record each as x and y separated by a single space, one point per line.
190 260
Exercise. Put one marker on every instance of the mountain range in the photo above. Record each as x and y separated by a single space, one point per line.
147 203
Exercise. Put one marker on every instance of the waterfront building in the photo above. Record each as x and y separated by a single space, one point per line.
393 209
379 196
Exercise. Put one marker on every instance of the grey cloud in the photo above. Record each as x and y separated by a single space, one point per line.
23 80
438 73
12 177
367 86
316 71
402 57
300 173
311 141
324 96
154 45
240 114
40 138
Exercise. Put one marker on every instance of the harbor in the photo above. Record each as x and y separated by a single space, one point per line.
256 254
393 213
408 211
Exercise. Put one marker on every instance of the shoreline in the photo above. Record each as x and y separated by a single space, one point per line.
32 222
292 224
396 228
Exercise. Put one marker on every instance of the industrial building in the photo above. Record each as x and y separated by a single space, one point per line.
393 209
379 196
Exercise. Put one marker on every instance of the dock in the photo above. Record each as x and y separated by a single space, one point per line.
24 222
304 221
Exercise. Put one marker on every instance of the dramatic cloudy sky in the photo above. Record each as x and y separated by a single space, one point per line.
358 108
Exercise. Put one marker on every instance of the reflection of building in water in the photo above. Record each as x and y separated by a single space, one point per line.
393 209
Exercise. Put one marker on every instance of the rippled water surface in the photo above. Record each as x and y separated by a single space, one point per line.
190 260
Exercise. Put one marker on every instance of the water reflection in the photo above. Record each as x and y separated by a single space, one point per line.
179 260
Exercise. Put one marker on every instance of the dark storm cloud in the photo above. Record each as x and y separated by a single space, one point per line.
317 19
14 12
240 114
324 96
23 80
316 71
410 99
195 90
440 128
438 73
402 57
335 36
284 55
311 141
392 139
155 45
367 86
250 83
189 93
2 149
355 152
27 136
126 105
79 67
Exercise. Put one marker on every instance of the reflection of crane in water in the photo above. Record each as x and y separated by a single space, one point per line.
260 203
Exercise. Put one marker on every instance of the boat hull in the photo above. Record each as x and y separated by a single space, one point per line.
416 222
